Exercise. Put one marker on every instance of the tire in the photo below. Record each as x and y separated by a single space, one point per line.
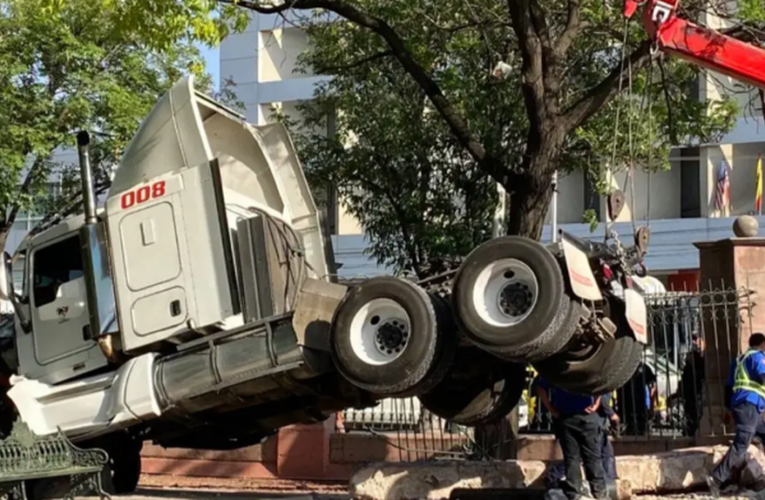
385 338
528 330
478 400
568 322
596 369
123 470
448 340
126 471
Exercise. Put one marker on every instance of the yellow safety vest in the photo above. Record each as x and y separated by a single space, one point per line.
741 379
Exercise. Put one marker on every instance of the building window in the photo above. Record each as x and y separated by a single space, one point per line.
690 178
591 196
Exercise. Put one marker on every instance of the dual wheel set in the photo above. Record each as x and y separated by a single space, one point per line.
465 356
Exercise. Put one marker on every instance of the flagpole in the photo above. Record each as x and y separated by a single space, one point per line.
759 177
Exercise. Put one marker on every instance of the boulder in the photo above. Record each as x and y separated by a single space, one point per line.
673 471
438 479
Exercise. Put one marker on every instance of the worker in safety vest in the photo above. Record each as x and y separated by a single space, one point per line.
746 388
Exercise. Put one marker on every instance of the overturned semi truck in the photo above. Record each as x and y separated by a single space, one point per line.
198 309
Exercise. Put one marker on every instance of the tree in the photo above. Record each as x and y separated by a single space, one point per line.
403 172
419 197
567 66
67 69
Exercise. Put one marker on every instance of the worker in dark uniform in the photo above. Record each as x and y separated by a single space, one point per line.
557 472
579 429
746 388
690 392
610 421
636 399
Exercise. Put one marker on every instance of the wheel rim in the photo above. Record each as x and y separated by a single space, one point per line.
380 332
505 293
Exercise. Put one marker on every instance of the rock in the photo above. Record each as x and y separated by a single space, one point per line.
673 471
670 471
623 489
436 480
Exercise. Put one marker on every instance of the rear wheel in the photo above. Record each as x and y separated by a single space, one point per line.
126 469
509 299
477 397
123 470
591 367
386 339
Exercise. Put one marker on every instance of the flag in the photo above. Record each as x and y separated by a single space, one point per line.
758 196
722 196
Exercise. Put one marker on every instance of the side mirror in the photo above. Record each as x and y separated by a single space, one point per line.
8 293
6 278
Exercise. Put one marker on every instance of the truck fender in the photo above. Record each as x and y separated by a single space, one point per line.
315 307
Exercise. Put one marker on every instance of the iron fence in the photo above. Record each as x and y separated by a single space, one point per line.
677 391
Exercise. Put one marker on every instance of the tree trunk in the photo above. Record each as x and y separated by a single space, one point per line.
530 201
528 208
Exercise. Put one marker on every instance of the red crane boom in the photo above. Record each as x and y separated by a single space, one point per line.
702 46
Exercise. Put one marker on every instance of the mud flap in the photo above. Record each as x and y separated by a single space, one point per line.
580 274
316 305
637 315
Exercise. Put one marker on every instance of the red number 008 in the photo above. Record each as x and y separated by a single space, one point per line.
143 194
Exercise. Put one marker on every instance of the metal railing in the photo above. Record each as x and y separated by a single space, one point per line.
676 392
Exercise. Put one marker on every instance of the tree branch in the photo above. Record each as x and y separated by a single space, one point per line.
355 64
68 207
454 120
539 21
593 100
532 85
39 163
574 25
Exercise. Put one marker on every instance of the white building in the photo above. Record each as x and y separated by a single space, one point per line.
261 62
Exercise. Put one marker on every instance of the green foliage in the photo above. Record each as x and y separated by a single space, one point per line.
159 24
73 65
418 191
419 196
751 11
400 170
590 217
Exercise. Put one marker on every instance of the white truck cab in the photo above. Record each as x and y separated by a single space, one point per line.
179 301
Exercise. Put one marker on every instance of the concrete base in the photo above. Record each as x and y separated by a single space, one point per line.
672 471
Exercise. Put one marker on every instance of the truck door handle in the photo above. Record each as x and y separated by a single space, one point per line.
175 308
86 333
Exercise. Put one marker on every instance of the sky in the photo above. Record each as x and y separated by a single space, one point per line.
212 61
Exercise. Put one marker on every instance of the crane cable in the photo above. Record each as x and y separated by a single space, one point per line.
609 222
630 178
649 163
649 159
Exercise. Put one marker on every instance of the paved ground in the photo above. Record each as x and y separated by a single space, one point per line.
697 496
174 487
224 495
177 494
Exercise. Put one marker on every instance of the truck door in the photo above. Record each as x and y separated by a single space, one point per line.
59 300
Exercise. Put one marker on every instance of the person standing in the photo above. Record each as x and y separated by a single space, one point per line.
691 391
579 429
610 420
746 391
636 400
